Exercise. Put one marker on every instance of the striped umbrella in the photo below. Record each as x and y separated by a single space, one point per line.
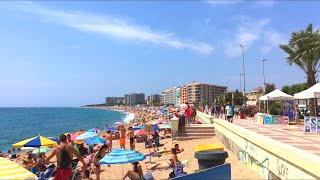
11 170
37 141
86 135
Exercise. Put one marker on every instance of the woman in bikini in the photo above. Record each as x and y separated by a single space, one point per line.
96 167
172 162
136 173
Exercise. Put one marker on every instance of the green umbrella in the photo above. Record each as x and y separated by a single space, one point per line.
41 150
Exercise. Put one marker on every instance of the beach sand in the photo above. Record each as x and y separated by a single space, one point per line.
238 170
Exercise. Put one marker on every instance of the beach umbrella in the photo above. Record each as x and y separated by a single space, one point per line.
41 150
27 148
155 128
74 136
142 132
91 130
94 140
165 126
54 139
135 128
11 170
86 135
111 129
118 123
37 141
154 122
122 156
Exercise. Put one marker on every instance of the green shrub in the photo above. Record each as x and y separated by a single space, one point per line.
274 108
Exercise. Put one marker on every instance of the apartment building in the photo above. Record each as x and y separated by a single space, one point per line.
134 99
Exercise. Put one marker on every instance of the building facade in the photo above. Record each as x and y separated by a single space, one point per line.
134 99
168 97
184 94
253 96
153 98
111 101
203 94
176 96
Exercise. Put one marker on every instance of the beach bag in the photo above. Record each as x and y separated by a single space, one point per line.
148 176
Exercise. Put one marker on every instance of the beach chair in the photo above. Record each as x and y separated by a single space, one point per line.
75 169
49 173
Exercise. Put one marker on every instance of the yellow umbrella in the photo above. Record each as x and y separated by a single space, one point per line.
37 141
11 170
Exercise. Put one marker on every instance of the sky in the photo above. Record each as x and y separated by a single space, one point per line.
64 53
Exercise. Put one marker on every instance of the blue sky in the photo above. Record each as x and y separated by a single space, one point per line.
74 53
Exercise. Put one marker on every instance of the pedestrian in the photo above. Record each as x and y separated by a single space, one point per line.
218 111
236 112
69 141
187 112
229 112
64 153
96 166
108 138
131 136
122 137
223 112
296 114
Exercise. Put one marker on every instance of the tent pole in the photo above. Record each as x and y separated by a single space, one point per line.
315 107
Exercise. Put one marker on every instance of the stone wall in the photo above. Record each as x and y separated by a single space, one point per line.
271 159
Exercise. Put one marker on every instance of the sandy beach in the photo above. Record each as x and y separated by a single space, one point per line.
239 170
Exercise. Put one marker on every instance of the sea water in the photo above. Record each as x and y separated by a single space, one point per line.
17 124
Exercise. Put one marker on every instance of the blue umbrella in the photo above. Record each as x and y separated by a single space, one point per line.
111 129
95 140
122 157
155 128
86 135
91 130
135 128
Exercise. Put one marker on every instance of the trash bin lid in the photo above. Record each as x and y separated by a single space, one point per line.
211 155
208 147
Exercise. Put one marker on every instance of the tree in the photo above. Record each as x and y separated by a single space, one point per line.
303 50
270 87
294 88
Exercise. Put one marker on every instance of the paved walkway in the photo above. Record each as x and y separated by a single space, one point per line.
288 134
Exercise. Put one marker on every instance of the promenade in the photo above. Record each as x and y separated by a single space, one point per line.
292 135
272 151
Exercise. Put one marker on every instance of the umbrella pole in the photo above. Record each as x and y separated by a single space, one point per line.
149 147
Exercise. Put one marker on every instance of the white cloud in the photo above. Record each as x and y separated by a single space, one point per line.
247 32
223 2
250 32
272 40
114 27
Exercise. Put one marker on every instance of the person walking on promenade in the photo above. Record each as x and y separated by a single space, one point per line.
187 112
236 112
108 138
223 112
122 137
218 111
131 136
229 112
64 153
296 113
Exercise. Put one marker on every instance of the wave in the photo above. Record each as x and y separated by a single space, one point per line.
128 117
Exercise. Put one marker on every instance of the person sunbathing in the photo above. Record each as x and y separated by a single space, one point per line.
173 161
136 173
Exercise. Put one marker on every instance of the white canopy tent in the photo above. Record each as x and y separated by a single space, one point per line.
312 92
275 95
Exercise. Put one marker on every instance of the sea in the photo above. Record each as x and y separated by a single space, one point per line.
17 124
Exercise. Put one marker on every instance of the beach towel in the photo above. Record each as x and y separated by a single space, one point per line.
148 176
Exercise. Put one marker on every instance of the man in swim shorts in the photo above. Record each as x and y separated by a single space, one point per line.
64 153
122 137
131 135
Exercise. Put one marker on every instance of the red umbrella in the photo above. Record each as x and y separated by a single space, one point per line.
142 132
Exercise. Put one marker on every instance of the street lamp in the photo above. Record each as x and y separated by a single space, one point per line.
243 73
264 77
240 82
264 85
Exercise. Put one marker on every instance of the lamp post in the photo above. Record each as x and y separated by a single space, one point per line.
243 73
264 84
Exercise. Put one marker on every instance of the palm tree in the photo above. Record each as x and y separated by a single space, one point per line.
303 50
